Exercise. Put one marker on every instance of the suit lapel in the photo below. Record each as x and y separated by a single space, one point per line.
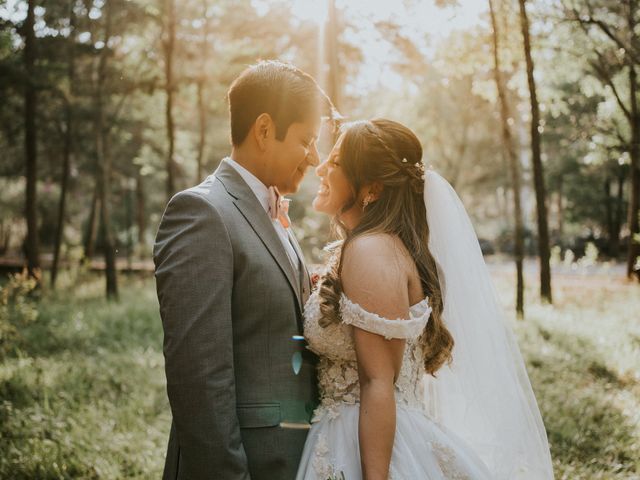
250 208
305 281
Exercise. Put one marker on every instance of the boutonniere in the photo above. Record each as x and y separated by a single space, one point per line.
283 212
314 280
279 207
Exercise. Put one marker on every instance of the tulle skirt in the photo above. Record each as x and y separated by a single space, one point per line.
422 449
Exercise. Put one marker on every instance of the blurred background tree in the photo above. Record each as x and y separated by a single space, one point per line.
109 107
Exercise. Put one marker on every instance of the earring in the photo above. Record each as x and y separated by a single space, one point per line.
366 201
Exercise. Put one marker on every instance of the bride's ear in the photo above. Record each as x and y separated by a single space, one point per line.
373 191
263 129
370 193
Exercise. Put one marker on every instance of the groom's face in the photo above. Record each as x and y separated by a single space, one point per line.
291 157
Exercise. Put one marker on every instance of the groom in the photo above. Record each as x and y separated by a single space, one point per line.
231 283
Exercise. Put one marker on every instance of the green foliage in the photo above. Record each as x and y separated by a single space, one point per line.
582 357
214 42
590 255
85 397
445 92
17 310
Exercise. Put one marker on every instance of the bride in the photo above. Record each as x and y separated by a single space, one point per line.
419 375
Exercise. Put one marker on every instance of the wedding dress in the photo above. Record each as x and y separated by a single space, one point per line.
423 449
477 420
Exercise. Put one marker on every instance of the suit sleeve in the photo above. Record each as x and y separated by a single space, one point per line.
194 279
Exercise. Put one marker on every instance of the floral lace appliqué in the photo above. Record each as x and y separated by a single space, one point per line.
321 464
338 370
338 384
447 462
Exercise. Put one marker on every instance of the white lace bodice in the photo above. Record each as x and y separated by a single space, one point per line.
338 370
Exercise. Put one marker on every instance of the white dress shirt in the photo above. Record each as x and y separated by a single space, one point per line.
262 194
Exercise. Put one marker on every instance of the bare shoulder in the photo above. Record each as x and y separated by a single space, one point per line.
375 273
375 250
371 242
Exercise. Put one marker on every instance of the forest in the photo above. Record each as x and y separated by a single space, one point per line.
530 109
111 107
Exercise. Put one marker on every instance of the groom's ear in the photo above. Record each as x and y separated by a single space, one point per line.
263 129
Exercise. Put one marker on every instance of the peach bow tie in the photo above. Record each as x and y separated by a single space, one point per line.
279 207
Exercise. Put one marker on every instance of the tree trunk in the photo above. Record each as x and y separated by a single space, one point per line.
633 250
201 131
105 218
633 212
169 45
608 211
104 165
502 199
514 166
92 226
30 112
68 148
202 111
127 193
64 182
618 213
5 236
141 219
536 160
331 77
560 210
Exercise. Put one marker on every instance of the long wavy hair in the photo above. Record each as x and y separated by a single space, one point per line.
390 154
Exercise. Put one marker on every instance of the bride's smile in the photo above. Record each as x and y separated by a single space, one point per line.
335 195
334 191
323 190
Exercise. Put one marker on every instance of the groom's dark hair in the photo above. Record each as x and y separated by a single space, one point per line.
280 89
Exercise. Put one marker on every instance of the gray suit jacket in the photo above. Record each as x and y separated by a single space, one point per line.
241 386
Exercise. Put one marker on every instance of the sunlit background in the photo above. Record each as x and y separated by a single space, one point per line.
109 107
424 23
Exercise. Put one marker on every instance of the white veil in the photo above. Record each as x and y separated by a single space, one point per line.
484 396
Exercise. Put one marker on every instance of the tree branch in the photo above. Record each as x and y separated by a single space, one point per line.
573 15
606 78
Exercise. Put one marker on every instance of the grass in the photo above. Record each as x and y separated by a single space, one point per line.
583 358
82 395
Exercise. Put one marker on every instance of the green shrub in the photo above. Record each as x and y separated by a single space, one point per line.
17 309
84 396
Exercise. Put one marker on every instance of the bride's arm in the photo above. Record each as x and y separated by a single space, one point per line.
374 277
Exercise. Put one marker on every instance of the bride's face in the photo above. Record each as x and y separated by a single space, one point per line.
335 191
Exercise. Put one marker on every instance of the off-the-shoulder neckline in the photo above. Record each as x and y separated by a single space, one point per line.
413 314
